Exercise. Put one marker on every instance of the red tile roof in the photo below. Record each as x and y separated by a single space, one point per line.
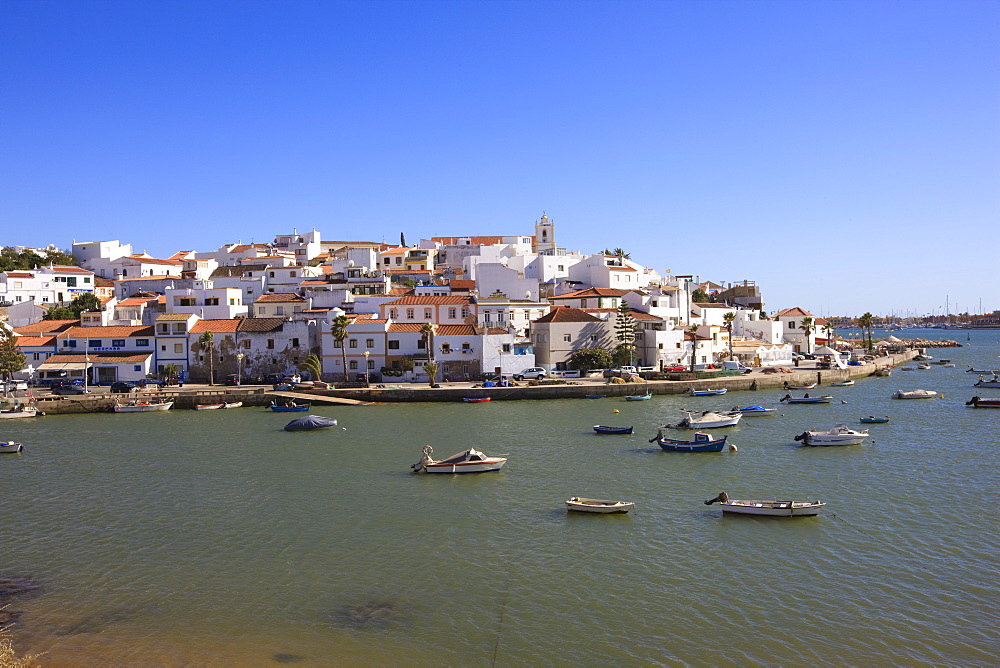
566 314
47 327
155 260
19 274
281 297
221 326
105 332
794 311
457 330
136 301
63 269
430 300
462 284
592 292
31 341
405 327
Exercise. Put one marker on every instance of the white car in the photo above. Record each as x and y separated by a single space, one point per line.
531 372
12 385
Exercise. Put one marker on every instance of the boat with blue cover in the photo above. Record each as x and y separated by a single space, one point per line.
754 410
310 423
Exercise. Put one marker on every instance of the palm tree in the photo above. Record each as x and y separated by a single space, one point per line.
693 331
313 366
728 319
206 342
427 334
828 328
431 368
865 322
807 327
339 331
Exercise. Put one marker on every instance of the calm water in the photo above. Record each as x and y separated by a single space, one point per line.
215 538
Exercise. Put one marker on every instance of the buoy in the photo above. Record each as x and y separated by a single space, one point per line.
616 410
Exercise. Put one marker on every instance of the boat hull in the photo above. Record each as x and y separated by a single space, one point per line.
488 466
475 400
874 420
10 447
690 446
707 393
290 409
641 397
143 408
751 411
603 429
601 506
23 413
977 402
208 407
915 394
773 508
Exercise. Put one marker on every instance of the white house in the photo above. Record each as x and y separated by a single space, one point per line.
206 300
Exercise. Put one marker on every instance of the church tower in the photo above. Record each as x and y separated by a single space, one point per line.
545 235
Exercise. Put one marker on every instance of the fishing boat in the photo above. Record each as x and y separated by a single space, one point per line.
839 435
875 419
842 383
19 412
208 407
702 443
992 382
800 386
310 423
707 392
706 420
604 429
476 400
639 397
822 399
749 411
972 370
596 396
583 505
767 508
10 446
290 407
467 461
142 406
979 402
914 394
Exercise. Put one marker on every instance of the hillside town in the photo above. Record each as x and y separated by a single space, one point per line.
371 311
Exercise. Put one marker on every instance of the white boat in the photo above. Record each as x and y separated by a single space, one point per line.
212 407
467 461
914 394
142 407
706 420
19 412
582 505
842 383
767 508
923 366
992 382
10 446
839 435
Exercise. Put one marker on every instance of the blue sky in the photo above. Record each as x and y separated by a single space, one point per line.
844 155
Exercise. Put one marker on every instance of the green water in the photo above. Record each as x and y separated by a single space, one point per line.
214 538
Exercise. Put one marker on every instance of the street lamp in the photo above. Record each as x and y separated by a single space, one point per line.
367 353
239 363
500 353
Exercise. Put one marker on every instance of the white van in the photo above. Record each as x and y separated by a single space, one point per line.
732 365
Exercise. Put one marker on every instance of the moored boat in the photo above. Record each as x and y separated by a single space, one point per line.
702 443
974 370
767 508
992 382
839 435
979 402
874 419
800 386
604 429
290 407
142 406
822 399
583 505
706 420
476 400
311 423
842 383
10 446
749 411
20 412
707 392
208 407
467 461
639 397
232 404
914 394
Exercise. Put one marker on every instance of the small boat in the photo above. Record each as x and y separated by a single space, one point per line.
923 358
972 370
290 407
603 429
842 383
582 505
914 394
707 392
639 397
873 419
467 461
754 410
596 396
208 407
767 508
923 366
942 362
20 412
706 420
476 400
949 365
822 399
992 382
702 443
310 423
233 404
979 402
839 435
142 406
883 372
10 446
800 386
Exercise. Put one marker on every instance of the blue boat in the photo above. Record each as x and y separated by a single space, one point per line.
702 443
755 410
290 408
707 392
602 429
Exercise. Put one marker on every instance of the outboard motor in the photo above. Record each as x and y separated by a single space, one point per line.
721 498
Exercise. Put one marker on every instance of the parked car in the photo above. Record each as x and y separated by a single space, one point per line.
149 382
70 389
123 387
535 372
676 367
13 385
233 379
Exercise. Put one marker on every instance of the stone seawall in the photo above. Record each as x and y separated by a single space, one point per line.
103 402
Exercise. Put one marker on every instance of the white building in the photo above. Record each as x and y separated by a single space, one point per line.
206 301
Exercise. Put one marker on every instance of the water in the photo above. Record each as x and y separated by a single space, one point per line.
214 538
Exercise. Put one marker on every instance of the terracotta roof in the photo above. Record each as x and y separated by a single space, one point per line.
313 283
47 327
592 292
281 297
408 271
102 282
713 305
462 284
395 251
429 300
457 330
136 301
405 327
496 330
30 341
19 274
173 316
180 255
622 268
221 326
400 292
155 260
63 269
315 310
111 357
566 314
795 310
105 332
260 324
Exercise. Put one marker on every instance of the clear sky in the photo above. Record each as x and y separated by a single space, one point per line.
844 155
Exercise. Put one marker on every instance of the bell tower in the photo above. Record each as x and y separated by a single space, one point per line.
545 235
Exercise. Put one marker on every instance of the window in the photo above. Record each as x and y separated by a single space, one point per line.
465 312
94 343
338 344
117 343
270 344
446 347
354 343
271 274
35 356
291 274
486 317
583 303
660 346
466 346
279 310
295 343
369 343
421 344
212 301
162 328
70 282
393 345
261 310
452 312
506 347
136 367
567 338
185 301
163 349
427 314
353 364
86 279
371 364
178 347
393 313
409 314
561 268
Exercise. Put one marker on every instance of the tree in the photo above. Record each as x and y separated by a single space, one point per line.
207 343
625 327
431 367
621 255
728 319
313 366
622 354
829 333
865 322
427 334
590 358
402 240
807 328
339 331
170 371
12 359
693 332
700 296
80 303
